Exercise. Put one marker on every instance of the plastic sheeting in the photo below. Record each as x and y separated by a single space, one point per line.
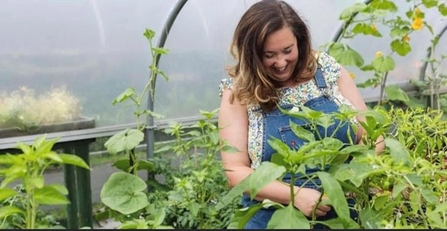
96 49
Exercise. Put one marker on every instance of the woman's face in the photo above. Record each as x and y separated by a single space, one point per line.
281 55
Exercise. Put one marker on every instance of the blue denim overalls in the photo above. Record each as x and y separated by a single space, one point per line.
276 124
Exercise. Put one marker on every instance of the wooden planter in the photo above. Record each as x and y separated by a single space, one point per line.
81 123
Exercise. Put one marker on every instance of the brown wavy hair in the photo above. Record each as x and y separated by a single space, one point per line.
251 80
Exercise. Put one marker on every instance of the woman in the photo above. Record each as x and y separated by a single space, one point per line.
275 65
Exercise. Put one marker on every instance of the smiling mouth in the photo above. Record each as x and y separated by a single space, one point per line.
280 69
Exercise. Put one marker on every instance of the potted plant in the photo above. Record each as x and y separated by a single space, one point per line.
23 113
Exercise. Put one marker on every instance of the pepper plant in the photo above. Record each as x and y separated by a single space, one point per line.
397 188
29 167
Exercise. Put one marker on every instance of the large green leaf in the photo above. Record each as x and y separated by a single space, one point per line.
263 175
6 193
387 5
242 216
370 219
48 195
399 31
301 132
430 3
73 160
59 187
288 218
7 159
280 147
127 140
123 192
345 55
42 146
348 12
126 94
341 172
52 155
123 164
394 92
354 149
401 47
430 196
383 64
437 216
366 29
398 188
236 191
336 195
360 171
9 210
443 9
338 223
398 151
38 181
415 178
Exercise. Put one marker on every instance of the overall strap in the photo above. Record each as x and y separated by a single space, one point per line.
321 82
319 79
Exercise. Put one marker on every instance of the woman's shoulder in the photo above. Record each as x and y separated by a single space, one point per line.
329 65
325 59
225 83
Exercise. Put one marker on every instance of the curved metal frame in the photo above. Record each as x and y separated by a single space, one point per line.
424 67
165 32
340 29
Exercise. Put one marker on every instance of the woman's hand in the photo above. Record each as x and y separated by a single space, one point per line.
306 199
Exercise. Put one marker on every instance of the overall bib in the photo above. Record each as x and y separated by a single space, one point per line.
276 124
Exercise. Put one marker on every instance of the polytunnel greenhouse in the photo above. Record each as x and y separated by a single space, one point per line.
110 116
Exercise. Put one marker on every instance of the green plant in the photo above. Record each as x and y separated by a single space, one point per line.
400 188
29 167
193 183
409 175
194 186
374 18
130 138
17 220
188 196
22 109
435 80
124 193
314 153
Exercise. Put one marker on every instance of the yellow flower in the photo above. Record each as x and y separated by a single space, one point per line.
352 75
416 12
417 24
406 38
374 27
379 54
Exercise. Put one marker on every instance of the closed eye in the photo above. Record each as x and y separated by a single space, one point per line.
269 55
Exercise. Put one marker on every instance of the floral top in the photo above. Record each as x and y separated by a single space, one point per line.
296 96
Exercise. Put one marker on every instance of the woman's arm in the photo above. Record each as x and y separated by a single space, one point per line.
233 125
350 91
